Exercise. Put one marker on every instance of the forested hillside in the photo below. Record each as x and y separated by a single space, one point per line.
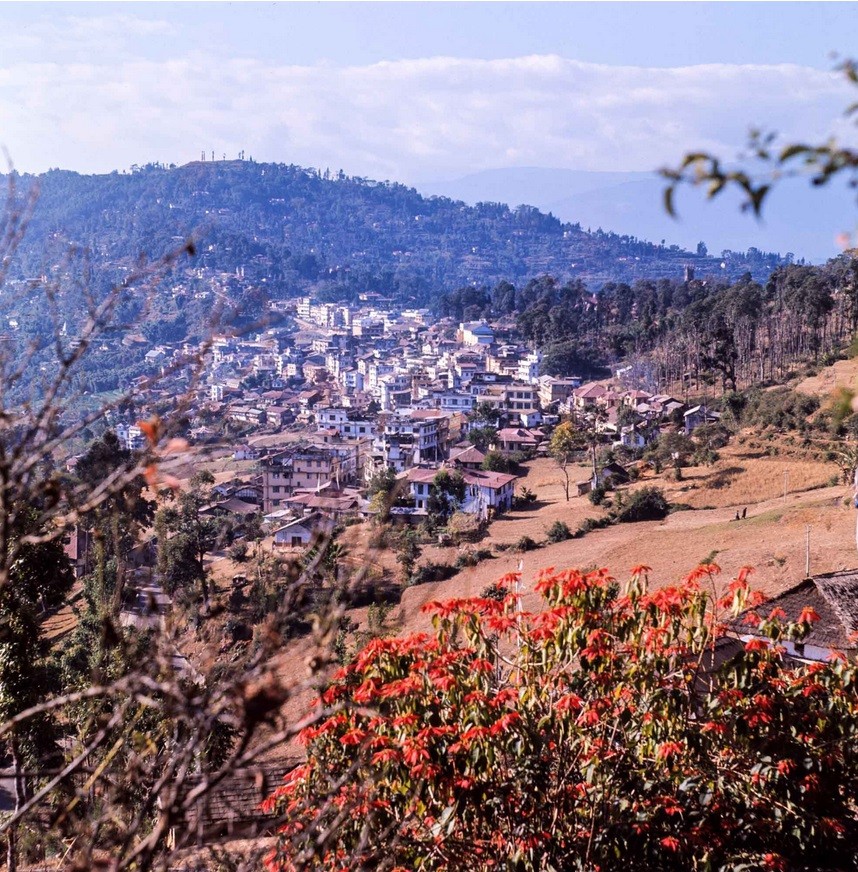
706 332
304 231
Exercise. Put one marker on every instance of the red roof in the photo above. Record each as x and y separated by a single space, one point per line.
477 477
594 391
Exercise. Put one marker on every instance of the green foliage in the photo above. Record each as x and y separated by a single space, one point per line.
408 552
382 482
526 543
238 552
600 731
525 497
565 445
484 415
671 449
472 557
446 494
597 494
39 579
495 461
432 571
482 436
494 591
780 408
646 504
185 536
558 532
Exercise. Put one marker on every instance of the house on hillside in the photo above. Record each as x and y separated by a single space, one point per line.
587 396
303 531
245 452
231 506
834 597
76 544
697 416
518 439
468 458
337 504
612 474
476 333
486 493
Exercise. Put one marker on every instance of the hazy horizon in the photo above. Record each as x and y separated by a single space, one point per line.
417 93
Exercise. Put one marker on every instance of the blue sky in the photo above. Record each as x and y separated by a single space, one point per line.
412 91
645 34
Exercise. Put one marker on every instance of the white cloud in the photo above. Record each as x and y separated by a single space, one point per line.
406 120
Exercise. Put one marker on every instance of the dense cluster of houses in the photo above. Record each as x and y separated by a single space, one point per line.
354 390
357 390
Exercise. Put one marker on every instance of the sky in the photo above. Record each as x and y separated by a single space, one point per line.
413 91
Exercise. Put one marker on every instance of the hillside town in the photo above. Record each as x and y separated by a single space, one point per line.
345 393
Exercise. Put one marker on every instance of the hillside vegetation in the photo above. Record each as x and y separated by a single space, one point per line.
302 231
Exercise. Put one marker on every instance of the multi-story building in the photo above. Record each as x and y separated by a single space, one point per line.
309 467
519 397
406 439
394 391
556 390
347 424
476 333
450 400
486 493
130 437
528 368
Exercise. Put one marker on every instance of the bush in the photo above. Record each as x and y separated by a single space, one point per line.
472 557
705 457
647 504
589 524
525 544
781 408
597 495
558 532
523 498
495 592
681 507
496 462
238 552
755 760
431 571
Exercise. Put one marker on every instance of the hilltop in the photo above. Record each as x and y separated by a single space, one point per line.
304 231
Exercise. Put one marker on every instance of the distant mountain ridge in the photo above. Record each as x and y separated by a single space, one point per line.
304 231
798 218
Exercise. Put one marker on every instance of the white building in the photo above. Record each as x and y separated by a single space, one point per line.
476 333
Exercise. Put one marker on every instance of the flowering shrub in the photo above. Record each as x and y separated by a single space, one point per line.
615 728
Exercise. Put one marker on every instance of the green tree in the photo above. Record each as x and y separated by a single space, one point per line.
485 415
565 446
482 436
185 536
495 461
407 546
646 504
117 521
446 494
40 577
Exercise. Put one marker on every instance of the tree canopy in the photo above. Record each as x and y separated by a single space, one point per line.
611 723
